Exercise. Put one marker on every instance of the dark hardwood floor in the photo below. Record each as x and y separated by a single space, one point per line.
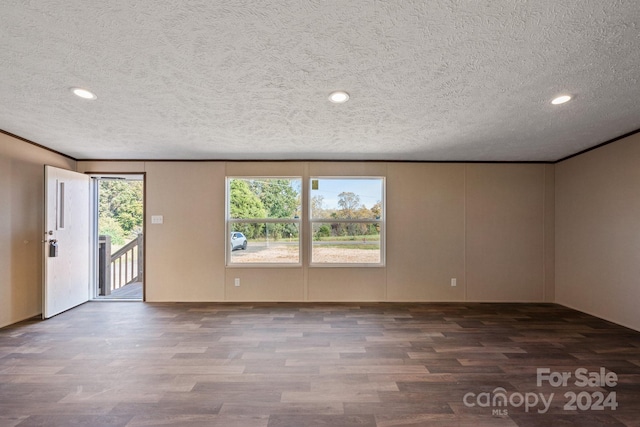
304 365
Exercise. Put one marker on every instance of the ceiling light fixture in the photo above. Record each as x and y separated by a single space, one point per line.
561 100
339 97
83 93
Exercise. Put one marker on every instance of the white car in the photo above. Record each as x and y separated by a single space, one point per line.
238 241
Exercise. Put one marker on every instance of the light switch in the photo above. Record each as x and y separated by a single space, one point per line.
157 219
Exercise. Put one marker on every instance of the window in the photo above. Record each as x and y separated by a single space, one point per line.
347 221
263 220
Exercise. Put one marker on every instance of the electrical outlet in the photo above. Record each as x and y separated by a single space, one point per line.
237 281
454 282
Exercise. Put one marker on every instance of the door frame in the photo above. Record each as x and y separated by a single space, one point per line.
94 231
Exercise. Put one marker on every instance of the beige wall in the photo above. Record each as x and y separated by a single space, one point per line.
487 225
426 233
597 238
21 226
507 232
505 223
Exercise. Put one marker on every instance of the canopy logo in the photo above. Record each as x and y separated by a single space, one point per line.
499 400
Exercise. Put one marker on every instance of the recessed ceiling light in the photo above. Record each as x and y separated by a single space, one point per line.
339 97
83 93
561 99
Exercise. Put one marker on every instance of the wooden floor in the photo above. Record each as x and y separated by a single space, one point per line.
306 365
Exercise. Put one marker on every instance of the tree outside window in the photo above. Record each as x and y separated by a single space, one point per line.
267 212
347 220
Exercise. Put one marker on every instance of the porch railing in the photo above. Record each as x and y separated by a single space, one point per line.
121 268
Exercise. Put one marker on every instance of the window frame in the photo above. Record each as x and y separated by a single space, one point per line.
382 221
229 221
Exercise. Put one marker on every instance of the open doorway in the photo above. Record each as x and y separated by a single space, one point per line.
119 236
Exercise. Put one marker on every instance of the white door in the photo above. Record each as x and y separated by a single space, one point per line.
66 276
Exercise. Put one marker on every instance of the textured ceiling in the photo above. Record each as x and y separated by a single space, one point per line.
429 80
